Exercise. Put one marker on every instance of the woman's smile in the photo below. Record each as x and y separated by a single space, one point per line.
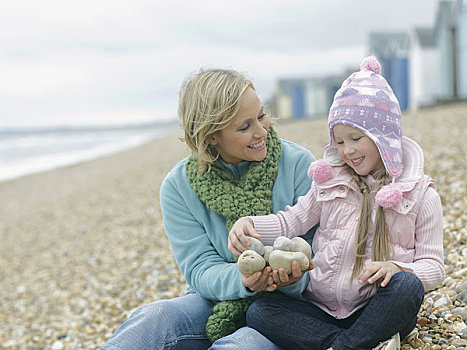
258 146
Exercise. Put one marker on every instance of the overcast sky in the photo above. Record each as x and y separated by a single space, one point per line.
112 61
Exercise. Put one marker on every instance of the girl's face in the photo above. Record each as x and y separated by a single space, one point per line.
245 137
357 150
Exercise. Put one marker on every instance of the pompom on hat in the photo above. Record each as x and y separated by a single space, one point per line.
371 63
366 102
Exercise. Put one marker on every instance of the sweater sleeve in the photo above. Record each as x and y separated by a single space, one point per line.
204 269
428 262
293 221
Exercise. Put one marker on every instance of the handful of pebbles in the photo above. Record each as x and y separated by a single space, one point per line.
279 255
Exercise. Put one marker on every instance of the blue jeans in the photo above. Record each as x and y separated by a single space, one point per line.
180 323
296 324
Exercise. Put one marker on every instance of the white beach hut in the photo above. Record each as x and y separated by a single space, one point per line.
424 68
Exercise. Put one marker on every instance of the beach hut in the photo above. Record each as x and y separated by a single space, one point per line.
291 101
446 39
462 49
317 97
281 105
305 97
392 50
424 74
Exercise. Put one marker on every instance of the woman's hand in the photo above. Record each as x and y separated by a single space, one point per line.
281 278
260 281
378 270
238 242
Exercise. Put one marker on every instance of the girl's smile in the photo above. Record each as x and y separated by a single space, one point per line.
358 161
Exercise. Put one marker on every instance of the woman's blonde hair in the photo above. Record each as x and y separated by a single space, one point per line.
380 247
208 101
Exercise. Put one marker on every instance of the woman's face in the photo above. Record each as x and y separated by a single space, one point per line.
245 137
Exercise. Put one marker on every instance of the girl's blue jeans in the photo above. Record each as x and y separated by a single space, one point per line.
296 324
180 324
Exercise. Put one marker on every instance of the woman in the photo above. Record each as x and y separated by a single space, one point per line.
238 167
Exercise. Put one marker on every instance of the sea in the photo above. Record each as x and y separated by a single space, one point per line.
25 151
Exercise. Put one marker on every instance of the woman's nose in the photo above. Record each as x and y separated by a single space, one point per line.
260 131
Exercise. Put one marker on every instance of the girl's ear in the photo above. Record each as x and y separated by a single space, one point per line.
213 140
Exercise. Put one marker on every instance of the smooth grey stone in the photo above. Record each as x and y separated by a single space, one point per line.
443 301
256 245
283 243
462 297
281 259
461 286
462 311
300 245
267 251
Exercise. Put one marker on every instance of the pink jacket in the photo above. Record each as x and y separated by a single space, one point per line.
415 225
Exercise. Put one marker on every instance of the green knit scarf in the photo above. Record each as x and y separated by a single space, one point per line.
233 198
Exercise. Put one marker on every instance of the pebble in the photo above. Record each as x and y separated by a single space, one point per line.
441 302
58 345
461 287
84 246
267 251
280 259
256 245
250 262
300 245
283 243
459 342
422 321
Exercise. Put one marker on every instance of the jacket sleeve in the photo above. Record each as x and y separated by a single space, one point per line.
428 262
202 266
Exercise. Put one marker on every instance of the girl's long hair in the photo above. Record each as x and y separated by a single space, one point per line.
380 247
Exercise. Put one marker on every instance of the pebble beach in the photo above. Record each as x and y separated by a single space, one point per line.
82 247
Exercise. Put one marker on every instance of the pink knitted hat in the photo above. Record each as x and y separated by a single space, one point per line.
366 101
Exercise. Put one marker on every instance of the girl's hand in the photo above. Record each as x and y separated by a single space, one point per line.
281 278
238 242
378 270
260 281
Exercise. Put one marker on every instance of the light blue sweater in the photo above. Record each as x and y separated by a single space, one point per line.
198 236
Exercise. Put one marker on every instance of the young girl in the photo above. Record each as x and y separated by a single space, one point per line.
379 245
